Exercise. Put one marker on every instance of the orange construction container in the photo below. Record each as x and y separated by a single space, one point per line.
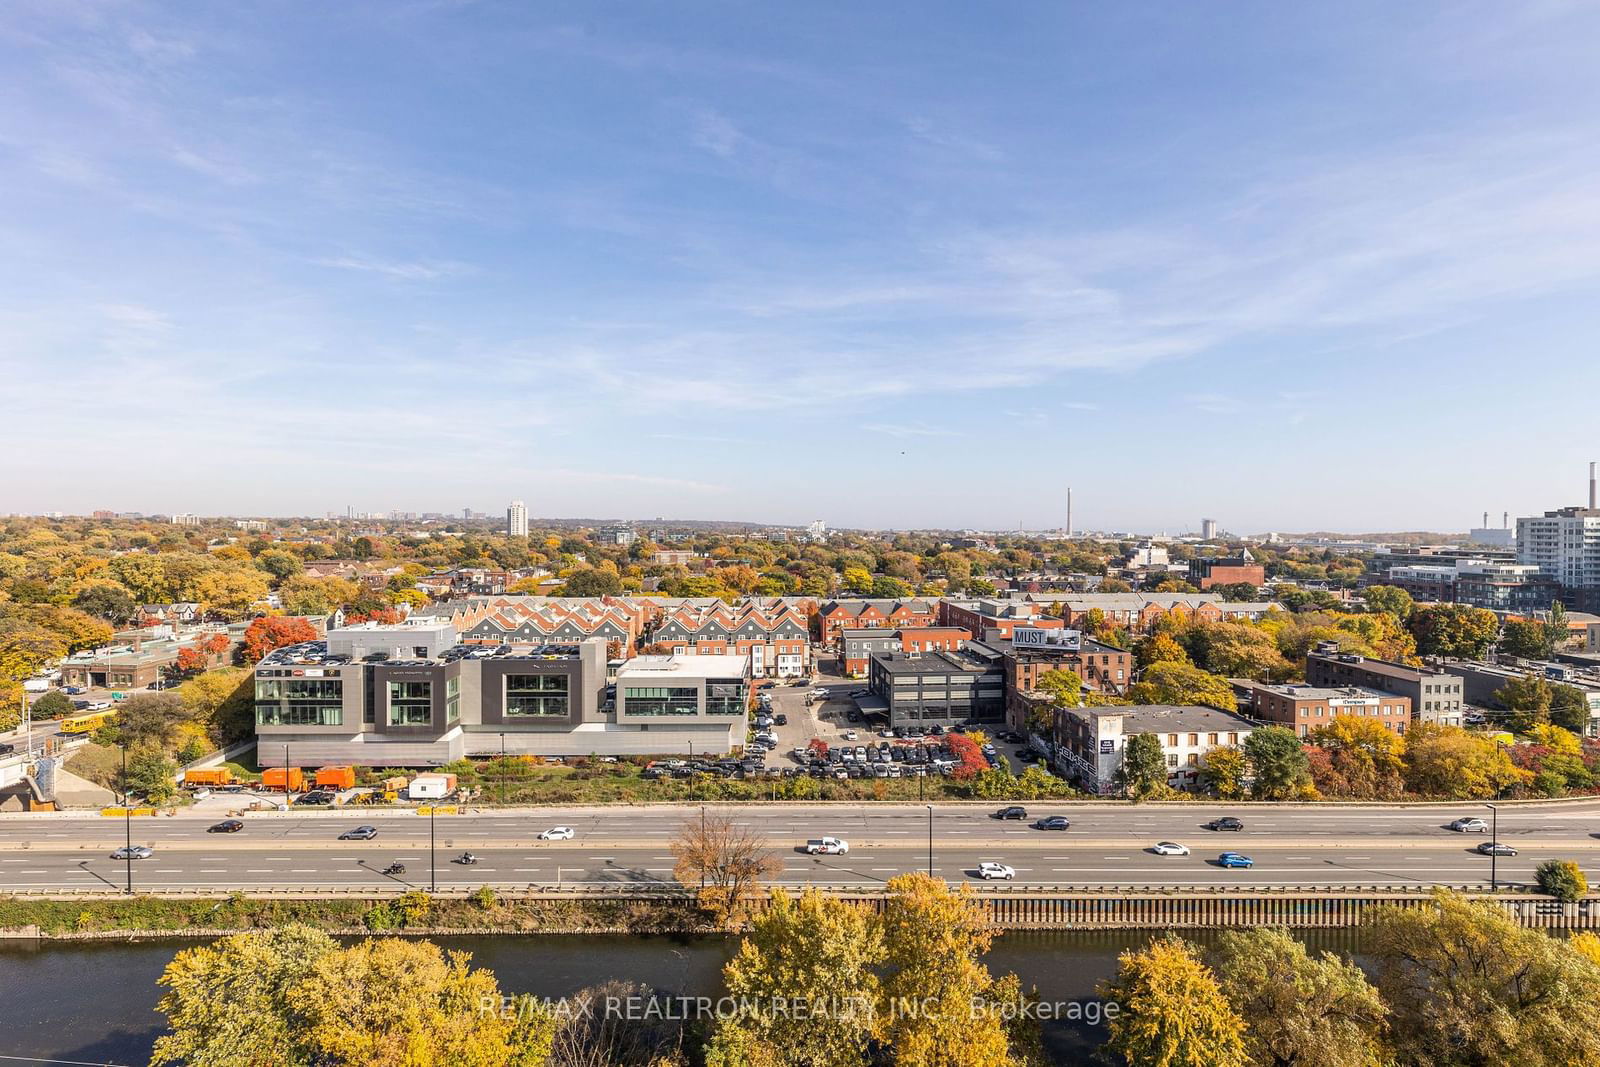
337 777
275 777
209 776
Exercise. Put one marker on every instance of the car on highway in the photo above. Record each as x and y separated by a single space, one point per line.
1227 822
226 826
1496 848
820 693
557 833
1169 848
360 833
988 870
1234 859
1052 822
133 852
826 846
1015 811
1470 826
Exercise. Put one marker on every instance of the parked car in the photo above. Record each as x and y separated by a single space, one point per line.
1015 811
1496 848
1470 826
1170 848
1227 822
226 826
1052 822
133 852
853 715
988 870
827 846
557 833
1234 859
781 719
6 750
360 833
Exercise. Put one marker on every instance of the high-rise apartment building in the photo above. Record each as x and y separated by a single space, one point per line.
517 519
1208 528
1565 545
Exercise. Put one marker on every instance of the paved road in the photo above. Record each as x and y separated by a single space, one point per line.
1105 846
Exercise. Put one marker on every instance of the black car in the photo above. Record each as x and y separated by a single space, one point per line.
1013 812
781 719
1053 822
226 826
853 715
6 750
1227 822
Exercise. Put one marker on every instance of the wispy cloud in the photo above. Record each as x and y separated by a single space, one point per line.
418 270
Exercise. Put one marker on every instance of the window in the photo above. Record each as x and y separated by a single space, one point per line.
1172 759
1194 740
410 703
661 700
1211 739
726 697
1233 739
532 696
452 699
1172 740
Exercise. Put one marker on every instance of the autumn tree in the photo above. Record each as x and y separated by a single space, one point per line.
223 700
408 1002
813 951
1182 684
1281 768
932 938
1225 770
1063 686
1466 984
1453 630
1298 1010
253 1023
1365 758
1390 598
1158 648
1144 766
150 720
1447 761
1569 708
591 581
1172 1011
231 593
1528 699
725 861
275 631
1525 638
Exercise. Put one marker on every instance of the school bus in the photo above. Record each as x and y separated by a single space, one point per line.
87 724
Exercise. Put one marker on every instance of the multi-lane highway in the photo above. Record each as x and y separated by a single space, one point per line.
1105 846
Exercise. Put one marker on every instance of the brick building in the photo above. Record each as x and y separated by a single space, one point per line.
856 647
1211 571
999 617
836 616
1435 695
1303 708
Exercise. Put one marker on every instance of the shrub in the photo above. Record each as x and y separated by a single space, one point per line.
485 897
1563 880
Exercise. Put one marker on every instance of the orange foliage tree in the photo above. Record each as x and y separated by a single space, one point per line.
275 631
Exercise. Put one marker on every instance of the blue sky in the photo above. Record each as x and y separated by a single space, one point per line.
1292 266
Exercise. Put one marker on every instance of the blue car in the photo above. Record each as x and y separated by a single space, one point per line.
1233 859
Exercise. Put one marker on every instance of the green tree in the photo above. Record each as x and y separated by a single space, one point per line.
53 705
1562 879
1466 984
888 588
1173 1013
252 1023
1182 684
1144 766
1281 768
107 599
1528 699
151 720
1525 638
1390 598
1453 630
813 950
280 564
593 581
1063 686
151 774
1569 708
1299 1011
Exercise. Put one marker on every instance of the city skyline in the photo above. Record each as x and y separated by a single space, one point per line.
898 271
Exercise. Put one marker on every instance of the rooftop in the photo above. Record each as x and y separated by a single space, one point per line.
644 667
316 654
930 662
1332 694
1159 718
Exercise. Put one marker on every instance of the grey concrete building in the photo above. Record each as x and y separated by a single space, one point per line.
1436 696
921 689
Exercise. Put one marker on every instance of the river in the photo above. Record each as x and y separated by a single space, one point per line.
94 1002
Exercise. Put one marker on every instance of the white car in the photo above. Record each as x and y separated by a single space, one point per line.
557 833
820 694
1170 848
987 870
133 852
827 846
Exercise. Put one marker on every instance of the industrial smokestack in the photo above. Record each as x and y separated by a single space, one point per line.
1505 520
1485 520
1069 511
1591 485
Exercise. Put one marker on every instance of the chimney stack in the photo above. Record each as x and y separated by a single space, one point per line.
1485 520
1591 485
1505 520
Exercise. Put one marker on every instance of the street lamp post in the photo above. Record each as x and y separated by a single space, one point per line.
127 820
502 769
433 876
930 839
1494 846
702 849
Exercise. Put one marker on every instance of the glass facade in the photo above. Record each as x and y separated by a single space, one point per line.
452 700
537 696
661 700
410 703
725 697
299 702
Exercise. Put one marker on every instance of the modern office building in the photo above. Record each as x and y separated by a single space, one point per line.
409 696
1208 528
1435 695
517 519
921 689
1090 742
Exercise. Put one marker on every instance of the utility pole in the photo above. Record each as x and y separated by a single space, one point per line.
1494 846
930 839
127 820
702 849
502 768
433 876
